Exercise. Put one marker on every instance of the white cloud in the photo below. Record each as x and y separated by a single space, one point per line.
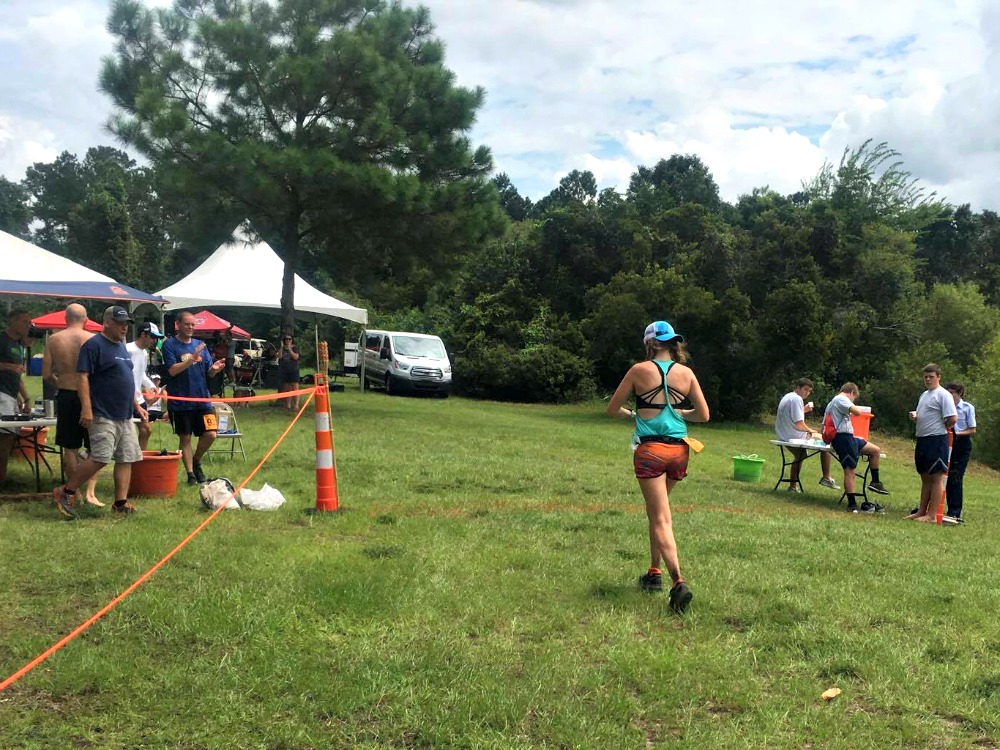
22 144
762 92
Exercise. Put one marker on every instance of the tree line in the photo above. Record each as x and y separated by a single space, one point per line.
337 129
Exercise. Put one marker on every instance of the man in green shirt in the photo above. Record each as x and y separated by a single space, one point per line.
13 394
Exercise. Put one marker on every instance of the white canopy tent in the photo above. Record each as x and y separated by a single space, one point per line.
245 273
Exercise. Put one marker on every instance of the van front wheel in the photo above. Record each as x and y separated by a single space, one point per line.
390 389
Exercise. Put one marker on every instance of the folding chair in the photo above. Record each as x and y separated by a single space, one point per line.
247 378
228 430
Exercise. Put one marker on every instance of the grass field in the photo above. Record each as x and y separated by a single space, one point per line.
478 591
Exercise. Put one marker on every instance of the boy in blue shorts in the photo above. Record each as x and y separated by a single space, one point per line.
935 415
849 449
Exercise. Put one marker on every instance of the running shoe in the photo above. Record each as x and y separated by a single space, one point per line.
878 488
650 582
680 597
830 484
867 507
126 508
64 503
198 473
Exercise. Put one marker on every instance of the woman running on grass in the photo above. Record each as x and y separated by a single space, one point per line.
660 460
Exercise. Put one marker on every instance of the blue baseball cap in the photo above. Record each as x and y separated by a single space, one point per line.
661 330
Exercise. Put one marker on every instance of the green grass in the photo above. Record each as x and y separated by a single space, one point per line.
478 591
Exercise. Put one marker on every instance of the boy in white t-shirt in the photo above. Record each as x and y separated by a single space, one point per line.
789 424
935 415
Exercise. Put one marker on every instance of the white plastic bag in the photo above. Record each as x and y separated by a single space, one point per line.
266 498
218 491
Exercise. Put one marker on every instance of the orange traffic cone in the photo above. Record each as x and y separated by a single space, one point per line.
326 468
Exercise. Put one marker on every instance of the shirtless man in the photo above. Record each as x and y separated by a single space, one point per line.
59 369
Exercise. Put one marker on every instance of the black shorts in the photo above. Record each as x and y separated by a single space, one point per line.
931 454
69 433
848 449
191 421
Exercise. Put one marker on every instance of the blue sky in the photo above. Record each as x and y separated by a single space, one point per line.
762 92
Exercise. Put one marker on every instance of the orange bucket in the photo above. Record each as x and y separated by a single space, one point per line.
860 423
155 475
25 448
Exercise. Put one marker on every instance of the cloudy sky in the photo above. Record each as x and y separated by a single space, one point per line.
763 92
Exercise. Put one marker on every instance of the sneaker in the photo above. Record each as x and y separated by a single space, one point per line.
64 503
125 507
867 507
794 488
680 597
829 483
200 475
650 582
878 488
192 479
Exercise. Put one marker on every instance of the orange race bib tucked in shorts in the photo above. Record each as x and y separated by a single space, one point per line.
652 460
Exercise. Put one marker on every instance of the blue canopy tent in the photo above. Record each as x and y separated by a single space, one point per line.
27 269
98 290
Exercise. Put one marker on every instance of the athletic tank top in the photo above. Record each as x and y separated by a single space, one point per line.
668 423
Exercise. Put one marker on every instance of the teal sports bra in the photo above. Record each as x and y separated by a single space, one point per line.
668 423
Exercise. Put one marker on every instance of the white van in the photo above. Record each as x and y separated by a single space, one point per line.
405 362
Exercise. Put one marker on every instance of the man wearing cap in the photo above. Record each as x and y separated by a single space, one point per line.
189 366
145 339
107 403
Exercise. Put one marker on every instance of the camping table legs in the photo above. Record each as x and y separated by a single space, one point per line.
788 460
22 443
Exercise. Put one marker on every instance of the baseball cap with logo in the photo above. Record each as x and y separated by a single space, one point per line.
118 314
152 329
661 330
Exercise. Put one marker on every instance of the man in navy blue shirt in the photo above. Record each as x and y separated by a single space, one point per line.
107 403
190 364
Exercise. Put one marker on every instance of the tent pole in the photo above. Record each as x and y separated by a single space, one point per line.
316 331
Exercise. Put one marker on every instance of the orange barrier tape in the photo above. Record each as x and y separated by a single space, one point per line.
148 574
150 397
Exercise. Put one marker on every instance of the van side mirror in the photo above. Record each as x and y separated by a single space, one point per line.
384 354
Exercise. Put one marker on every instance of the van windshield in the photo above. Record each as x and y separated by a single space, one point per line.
410 346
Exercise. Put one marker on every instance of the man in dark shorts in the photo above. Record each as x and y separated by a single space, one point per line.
935 415
13 398
59 360
189 366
